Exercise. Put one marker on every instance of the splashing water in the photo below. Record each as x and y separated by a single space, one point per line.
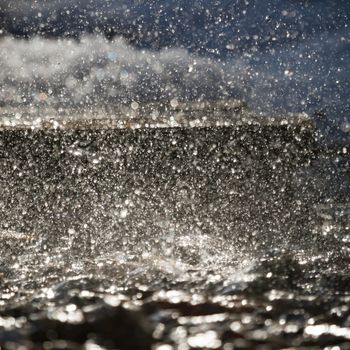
187 219
158 193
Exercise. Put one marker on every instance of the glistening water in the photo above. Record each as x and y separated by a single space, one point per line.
174 175
187 237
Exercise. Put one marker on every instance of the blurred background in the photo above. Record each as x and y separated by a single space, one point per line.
277 56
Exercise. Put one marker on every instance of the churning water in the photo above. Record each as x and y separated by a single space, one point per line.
181 184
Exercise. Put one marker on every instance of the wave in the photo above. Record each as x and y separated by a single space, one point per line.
94 70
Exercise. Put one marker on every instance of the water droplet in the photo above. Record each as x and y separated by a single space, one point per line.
174 103
123 213
134 105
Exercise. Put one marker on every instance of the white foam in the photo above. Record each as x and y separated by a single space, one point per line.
66 72
62 73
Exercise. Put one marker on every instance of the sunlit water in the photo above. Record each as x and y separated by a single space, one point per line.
158 193
178 230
